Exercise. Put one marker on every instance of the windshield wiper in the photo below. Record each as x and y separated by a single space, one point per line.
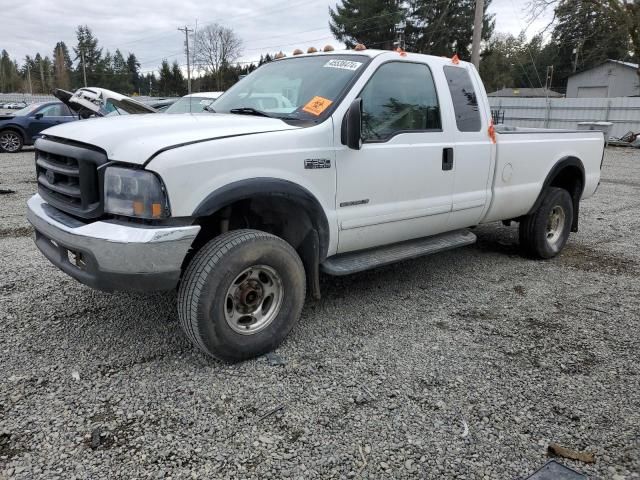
249 111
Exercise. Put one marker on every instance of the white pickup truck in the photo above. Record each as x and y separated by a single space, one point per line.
374 157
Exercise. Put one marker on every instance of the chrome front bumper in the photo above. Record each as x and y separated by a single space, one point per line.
108 255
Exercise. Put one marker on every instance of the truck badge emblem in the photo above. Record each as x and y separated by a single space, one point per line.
313 163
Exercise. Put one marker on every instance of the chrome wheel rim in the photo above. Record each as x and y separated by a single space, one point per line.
253 300
9 142
555 225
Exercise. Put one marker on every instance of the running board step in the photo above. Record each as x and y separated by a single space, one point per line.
352 262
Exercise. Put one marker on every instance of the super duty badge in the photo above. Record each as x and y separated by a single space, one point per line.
313 163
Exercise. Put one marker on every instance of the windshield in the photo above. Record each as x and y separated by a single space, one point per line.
26 110
190 105
302 88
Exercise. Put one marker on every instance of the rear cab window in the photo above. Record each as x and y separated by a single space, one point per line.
465 101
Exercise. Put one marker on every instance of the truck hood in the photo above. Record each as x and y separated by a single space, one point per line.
136 138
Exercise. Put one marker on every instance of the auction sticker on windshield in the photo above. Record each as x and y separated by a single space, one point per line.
317 105
343 64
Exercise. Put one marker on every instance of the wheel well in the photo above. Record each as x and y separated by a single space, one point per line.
278 215
16 129
571 179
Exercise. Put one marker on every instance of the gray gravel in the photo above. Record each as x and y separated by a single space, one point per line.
379 378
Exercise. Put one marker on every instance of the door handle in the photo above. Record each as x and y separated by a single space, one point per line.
447 158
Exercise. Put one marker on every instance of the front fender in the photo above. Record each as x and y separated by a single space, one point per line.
264 186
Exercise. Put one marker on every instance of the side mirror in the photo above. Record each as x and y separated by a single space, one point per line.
38 116
351 134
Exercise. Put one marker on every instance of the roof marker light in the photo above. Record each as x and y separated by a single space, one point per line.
279 55
401 52
455 59
297 51
312 50
327 48
359 47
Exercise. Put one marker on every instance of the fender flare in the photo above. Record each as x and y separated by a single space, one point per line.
266 186
564 162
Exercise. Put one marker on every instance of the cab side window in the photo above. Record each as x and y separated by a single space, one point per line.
465 102
400 97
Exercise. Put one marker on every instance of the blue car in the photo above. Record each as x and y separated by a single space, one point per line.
24 126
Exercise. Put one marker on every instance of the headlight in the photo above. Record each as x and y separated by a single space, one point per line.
134 193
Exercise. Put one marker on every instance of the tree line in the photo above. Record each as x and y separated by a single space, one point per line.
583 34
87 63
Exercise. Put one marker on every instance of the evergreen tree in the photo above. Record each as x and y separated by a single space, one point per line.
87 49
178 82
371 22
120 75
61 67
445 28
165 80
133 69
10 80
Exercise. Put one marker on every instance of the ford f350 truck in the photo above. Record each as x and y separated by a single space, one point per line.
375 157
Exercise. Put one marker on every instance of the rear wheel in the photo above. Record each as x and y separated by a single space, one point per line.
545 232
241 294
10 141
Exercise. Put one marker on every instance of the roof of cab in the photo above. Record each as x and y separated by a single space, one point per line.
375 53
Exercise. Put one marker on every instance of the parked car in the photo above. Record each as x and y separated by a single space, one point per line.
380 157
160 105
24 126
194 103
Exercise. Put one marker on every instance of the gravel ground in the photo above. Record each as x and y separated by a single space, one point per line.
378 380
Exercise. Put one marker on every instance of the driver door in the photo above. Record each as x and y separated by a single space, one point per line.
397 186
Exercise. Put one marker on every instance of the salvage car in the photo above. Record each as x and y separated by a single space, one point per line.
380 157
22 127
100 102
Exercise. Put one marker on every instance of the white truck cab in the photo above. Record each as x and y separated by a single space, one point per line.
333 161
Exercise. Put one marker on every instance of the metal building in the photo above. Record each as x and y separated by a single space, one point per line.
612 78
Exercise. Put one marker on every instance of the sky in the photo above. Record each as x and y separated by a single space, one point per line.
149 28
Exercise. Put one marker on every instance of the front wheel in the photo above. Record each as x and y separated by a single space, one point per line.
545 232
241 294
10 141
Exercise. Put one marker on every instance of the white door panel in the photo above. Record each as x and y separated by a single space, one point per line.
394 191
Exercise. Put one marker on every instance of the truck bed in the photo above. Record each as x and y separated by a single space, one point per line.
525 156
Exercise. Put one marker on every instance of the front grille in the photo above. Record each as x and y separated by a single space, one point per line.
69 177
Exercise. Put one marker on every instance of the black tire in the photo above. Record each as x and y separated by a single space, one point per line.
11 141
204 298
545 232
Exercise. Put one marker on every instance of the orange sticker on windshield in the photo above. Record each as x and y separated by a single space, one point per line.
317 105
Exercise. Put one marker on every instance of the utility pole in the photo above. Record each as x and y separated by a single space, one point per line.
187 31
576 52
477 33
29 78
548 82
84 68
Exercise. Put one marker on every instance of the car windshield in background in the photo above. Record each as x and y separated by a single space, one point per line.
190 105
23 112
303 88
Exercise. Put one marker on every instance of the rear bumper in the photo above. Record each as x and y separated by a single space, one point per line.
111 256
